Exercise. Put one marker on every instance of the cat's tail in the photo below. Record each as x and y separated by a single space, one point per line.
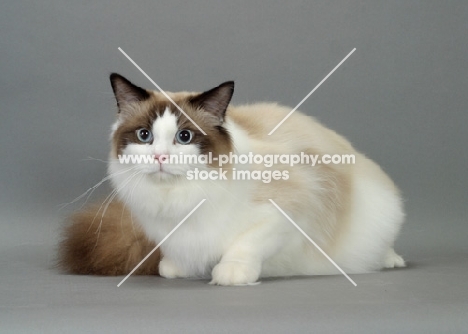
110 244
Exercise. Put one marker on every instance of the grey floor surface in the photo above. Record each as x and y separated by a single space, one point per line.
429 296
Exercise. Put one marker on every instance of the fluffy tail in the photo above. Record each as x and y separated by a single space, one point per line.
113 247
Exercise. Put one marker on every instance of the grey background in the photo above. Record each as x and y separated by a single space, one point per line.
401 98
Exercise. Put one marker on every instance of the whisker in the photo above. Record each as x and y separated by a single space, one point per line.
127 181
93 188
94 159
108 196
109 200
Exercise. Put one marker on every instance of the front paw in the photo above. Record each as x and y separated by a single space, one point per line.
168 269
235 273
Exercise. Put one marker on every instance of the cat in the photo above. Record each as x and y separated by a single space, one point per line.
353 212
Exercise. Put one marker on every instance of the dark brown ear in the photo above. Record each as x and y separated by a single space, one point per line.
125 92
216 100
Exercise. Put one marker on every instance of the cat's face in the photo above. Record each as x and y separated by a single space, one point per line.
154 135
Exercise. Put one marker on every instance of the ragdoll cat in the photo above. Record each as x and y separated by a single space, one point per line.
352 211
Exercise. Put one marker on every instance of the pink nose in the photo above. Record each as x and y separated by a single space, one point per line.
160 157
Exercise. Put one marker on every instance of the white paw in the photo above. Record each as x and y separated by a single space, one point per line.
168 269
235 273
393 260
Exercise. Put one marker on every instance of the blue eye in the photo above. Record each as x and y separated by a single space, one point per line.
144 135
184 136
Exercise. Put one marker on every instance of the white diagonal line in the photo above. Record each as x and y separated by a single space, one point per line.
312 241
160 89
312 91
165 238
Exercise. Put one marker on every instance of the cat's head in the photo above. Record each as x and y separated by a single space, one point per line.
151 126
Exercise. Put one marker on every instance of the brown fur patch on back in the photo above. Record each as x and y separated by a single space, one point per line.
114 249
330 199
